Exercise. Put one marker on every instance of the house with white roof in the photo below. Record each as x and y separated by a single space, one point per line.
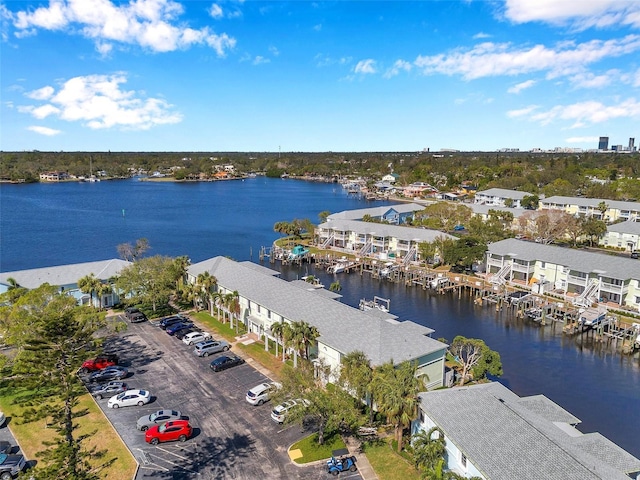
266 299
590 207
492 433
624 235
568 271
498 197
66 277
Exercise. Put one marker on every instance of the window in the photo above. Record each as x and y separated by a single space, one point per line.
463 460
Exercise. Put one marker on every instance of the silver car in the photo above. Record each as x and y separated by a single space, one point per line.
204 349
156 418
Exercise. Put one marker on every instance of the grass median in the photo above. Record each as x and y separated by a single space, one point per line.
32 436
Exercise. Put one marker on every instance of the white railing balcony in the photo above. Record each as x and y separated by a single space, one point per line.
522 268
576 280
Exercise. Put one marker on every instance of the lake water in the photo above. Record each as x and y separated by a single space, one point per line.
53 224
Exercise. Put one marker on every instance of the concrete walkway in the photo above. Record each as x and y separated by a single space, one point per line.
364 467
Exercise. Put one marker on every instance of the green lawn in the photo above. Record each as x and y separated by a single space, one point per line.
387 464
31 436
217 327
311 451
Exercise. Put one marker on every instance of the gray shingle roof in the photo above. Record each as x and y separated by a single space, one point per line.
342 327
385 230
482 209
589 262
65 274
506 441
632 228
503 193
376 211
592 202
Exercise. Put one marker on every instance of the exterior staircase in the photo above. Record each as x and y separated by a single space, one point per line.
500 277
590 294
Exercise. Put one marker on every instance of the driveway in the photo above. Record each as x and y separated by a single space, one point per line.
232 439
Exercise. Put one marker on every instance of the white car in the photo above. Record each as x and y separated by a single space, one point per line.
2 419
261 393
279 413
129 398
196 337
208 347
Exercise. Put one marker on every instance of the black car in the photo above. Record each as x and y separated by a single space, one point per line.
5 447
108 389
225 361
109 374
168 321
130 311
138 317
181 333
11 465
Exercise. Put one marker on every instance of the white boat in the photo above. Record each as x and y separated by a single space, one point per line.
388 269
436 282
341 265
378 303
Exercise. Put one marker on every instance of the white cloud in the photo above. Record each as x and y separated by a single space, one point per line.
493 59
50 132
589 112
216 11
367 66
590 80
522 112
522 86
398 66
317 27
42 93
636 79
146 23
481 35
579 14
274 51
99 102
325 61
581 139
260 60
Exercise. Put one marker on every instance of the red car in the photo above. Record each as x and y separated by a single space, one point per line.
100 363
167 432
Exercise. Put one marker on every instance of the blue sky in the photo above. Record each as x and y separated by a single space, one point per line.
164 75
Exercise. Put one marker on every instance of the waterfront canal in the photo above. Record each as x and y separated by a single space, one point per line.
44 225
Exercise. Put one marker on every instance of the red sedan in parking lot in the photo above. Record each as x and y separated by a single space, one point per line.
167 432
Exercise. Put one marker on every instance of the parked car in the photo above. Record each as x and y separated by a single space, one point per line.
5 447
225 361
167 321
167 432
138 318
196 337
109 374
341 461
11 465
206 348
129 398
156 418
261 393
129 311
176 327
182 333
99 363
2 419
108 389
279 413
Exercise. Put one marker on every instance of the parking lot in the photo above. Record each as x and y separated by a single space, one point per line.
231 438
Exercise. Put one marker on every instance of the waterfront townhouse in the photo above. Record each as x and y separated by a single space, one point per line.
266 299
66 277
591 207
579 275
625 235
395 214
54 176
499 197
379 240
492 433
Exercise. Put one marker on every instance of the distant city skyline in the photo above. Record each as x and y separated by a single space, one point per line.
348 76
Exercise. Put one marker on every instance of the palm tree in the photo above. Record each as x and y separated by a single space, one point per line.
217 299
181 264
428 448
335 286
356 374
278 330
101 290
89 284
207 282
234 309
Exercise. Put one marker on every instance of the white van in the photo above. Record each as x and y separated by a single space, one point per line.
261 393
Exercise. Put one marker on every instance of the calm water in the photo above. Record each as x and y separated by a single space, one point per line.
44 225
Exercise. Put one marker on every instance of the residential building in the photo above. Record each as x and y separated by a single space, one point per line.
379 240
499 197
492 433
566 271
418 189
590 207
66 277
395 214
266 299
624 235
54 176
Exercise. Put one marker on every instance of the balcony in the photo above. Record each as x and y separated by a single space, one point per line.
582 281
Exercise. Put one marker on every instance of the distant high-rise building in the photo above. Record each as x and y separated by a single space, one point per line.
603 144
632 142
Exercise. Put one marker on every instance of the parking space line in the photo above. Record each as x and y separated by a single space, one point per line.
172 463
171 453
